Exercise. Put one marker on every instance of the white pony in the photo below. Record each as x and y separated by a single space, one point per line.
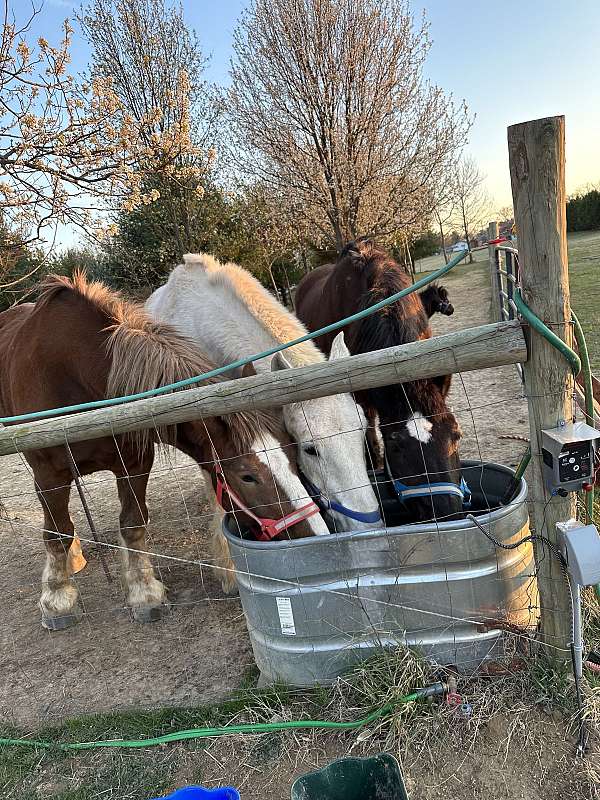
228 311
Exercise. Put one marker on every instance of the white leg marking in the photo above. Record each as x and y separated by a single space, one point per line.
143 589
59 594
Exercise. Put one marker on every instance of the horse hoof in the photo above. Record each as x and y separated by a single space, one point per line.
150 613
59 623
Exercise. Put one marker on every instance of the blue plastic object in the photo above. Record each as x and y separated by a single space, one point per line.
199 793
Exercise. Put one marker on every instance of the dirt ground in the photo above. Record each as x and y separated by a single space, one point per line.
107 662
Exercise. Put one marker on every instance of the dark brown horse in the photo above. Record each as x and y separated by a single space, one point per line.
420 433
436 301
82 342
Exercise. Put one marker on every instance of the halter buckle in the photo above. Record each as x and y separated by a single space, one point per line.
269 528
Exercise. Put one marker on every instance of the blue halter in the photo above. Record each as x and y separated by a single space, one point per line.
325 503
406 492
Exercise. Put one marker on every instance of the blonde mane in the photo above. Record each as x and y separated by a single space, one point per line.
146 354
268 311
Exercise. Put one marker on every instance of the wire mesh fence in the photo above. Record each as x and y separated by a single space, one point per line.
349 595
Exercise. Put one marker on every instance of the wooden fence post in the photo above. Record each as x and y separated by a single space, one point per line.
537 171
495 298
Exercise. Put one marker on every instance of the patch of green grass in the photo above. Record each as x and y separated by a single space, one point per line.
120 774
28 773
435 262
584 276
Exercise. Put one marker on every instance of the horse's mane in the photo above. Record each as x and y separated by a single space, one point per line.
399 323
266 309
146 354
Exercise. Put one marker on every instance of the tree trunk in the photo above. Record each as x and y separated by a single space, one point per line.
275 289
466 227
443 241
304 260
339 236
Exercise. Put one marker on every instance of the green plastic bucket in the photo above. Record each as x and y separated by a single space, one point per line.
375 778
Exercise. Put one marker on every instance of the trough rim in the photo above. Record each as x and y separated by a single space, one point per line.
452 526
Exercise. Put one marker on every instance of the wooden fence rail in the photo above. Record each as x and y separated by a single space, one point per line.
475 348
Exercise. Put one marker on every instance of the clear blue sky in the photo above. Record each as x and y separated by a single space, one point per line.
511 61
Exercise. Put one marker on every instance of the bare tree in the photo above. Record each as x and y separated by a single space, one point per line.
333 114
443 209
471 200
443 214
68 151
505 213
150 55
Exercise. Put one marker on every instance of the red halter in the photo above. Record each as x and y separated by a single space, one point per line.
269 528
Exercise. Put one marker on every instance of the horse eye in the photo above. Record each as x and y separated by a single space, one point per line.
249 479
310 450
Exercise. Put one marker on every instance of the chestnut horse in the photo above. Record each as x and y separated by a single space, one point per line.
82 342
420 434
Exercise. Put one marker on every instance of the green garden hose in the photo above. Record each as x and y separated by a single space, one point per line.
578 363
113 401
537 324
258 727
523 464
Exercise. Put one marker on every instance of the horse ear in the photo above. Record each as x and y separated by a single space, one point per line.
279 361
338 348
248 370
359 249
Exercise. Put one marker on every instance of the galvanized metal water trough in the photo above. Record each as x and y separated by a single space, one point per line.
315 607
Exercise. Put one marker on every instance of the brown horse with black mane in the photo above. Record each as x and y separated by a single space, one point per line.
82 342
420 433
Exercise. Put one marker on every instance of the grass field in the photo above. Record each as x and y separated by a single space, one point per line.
584 272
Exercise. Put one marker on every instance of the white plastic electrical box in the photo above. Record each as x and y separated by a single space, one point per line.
580 545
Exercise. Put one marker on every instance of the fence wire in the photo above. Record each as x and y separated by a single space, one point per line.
307 608
393 588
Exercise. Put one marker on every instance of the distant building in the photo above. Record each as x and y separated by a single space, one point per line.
506 228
